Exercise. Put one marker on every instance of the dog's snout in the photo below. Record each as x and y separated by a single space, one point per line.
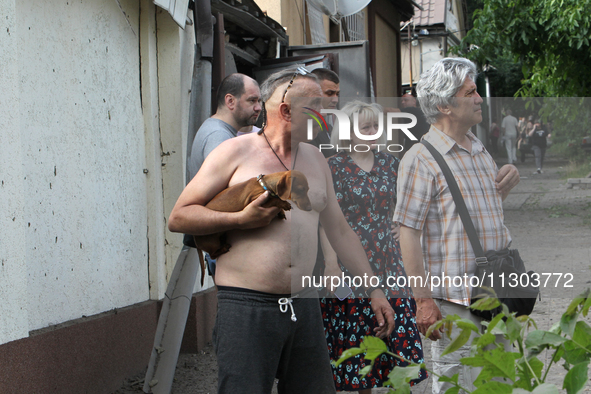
299 191
304 204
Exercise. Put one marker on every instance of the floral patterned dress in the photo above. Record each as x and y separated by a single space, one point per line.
367 200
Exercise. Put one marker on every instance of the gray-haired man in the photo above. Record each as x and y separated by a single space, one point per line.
262 330
425 208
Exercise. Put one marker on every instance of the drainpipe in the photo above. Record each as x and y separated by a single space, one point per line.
219 48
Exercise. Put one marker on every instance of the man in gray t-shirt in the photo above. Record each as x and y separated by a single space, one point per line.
211 133
239 105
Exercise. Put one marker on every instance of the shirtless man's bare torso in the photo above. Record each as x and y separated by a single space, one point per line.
270 255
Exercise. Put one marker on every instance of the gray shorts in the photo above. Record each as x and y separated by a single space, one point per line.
256 341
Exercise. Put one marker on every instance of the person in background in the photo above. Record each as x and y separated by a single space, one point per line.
539 141
408 100
509 132
494 137
238 106
331 91
330 85
521 124
365 186
523 141
409 105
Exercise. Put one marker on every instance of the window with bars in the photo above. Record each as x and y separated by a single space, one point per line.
318 36
353 27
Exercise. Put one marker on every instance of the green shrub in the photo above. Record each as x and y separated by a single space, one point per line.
568 340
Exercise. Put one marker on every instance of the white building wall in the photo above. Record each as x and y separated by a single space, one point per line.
175 65
428 52
94 111
173 89
431 52
83 154
14 322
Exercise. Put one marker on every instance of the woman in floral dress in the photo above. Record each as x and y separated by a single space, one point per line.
365 187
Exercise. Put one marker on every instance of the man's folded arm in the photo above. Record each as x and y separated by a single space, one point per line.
190 216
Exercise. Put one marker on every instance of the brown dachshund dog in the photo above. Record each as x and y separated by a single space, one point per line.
286 185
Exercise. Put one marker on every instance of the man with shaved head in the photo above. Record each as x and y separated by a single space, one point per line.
268 325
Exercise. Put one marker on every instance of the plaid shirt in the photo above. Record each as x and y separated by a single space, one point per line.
425 203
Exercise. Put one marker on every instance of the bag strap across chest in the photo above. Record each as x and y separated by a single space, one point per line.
460 204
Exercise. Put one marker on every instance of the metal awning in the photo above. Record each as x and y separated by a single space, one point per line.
248 16
245 14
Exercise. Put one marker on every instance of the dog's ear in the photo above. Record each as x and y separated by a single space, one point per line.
284 186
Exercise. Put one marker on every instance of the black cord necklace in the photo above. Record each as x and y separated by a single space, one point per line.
277 156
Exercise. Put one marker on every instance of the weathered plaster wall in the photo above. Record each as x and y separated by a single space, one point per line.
83 155
175 60
94 109
151 112
292 19
13 281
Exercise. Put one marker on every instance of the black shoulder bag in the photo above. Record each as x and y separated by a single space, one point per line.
503 270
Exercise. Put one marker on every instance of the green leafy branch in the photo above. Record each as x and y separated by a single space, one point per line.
550 38
569 340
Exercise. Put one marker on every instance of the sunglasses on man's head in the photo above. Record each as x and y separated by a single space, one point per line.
299 71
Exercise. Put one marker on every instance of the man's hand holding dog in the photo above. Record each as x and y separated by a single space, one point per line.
254 215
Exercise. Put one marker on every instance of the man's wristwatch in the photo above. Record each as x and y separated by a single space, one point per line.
370 290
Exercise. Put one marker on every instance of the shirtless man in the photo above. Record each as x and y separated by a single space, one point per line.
262 330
